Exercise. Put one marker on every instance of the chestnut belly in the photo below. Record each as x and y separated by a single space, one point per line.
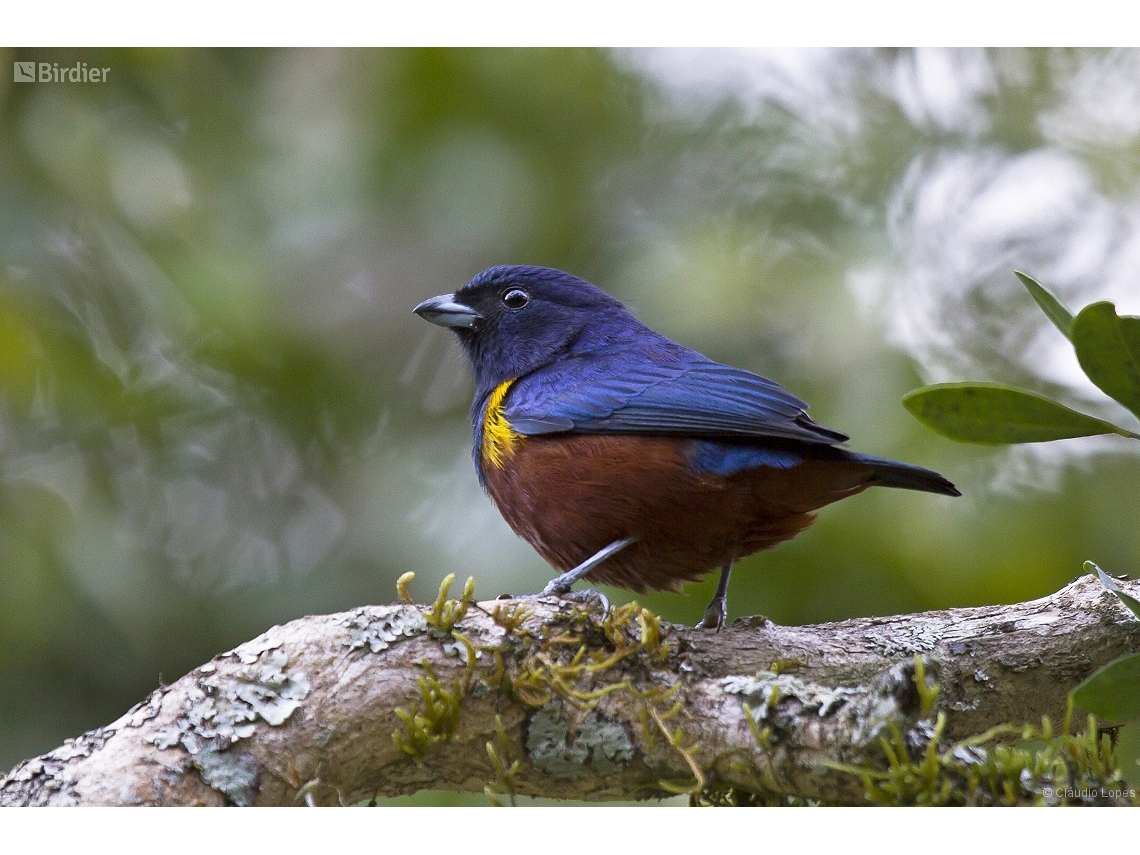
569 496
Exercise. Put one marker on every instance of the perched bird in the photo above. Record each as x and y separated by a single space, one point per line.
618 452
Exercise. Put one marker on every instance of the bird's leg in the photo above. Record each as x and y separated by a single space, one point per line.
560 585
717 609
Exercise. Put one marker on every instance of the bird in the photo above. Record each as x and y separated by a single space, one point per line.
622 455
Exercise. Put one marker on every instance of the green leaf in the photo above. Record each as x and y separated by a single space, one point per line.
1108 348
1051 305
1110 583
992 414
1113 692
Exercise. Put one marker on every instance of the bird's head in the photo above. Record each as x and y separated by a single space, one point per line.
512 320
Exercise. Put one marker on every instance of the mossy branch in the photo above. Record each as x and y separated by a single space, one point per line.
544 697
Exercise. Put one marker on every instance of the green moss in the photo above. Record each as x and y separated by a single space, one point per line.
575 650
928 691
780 666
1046 768
763 736
437 717
510 617
445 613
505 769
434 721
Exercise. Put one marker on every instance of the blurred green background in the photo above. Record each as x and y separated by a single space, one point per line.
218 413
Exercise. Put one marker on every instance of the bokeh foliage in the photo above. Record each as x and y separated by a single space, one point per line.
218 413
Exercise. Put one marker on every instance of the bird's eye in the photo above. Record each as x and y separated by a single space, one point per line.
516 298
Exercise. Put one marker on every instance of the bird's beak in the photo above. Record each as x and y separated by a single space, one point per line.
445 311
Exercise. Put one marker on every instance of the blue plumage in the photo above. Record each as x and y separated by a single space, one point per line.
679 392
716 458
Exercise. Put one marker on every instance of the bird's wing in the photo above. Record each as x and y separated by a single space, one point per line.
691 396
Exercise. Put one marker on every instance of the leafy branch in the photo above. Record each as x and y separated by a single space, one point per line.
1107 346
1108 349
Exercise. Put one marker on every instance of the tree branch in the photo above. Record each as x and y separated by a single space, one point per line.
544 697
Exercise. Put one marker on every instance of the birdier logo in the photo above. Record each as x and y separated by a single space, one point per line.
52 72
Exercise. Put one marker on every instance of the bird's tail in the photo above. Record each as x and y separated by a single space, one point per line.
892 473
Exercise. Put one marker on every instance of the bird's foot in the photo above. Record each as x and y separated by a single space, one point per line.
589 596
715 615
559 586
717 610
586 596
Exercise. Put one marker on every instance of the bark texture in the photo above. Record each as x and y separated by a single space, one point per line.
547 697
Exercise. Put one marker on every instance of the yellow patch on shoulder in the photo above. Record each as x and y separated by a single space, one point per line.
499 437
